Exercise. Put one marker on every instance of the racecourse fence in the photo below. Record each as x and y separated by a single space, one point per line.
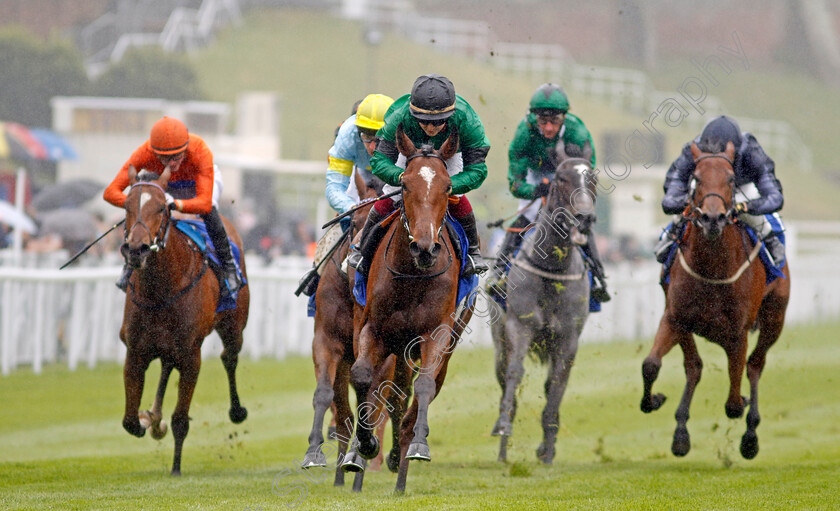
73 316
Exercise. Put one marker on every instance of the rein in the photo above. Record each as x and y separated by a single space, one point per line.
158 243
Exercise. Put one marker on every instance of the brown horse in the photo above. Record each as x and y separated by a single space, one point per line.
411 309
717 291
332 354
169 310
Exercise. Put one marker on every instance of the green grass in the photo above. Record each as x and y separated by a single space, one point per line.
62 445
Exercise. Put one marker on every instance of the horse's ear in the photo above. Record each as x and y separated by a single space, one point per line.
132 175
730 150
695 151
560 151
450 145
164 178
404 144
587 151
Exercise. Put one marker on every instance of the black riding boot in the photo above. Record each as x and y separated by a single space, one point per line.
511 242
125 277
218 235
599 288
776 248
668 238
359 256
476 265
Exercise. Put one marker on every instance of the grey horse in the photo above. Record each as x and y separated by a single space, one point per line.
547 295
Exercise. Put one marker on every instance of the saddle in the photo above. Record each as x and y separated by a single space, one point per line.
197 232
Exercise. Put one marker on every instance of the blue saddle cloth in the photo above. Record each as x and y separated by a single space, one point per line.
771 271
197 231
466 285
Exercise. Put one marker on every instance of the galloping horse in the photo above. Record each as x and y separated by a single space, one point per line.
411 305
170 308
547 301
332 353
718 291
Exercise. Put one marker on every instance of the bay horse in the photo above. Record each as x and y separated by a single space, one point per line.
717 291
332 355
411 306
547 295
170 308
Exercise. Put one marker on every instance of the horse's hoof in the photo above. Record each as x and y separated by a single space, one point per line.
353 462
653 403
418 451
545 454
175 473
682 442
502 428
134 427
159 431
736 411
394 460
145 418
314 459
369 451
749 445
237 415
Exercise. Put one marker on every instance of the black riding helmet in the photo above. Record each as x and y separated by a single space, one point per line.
717 133
432 98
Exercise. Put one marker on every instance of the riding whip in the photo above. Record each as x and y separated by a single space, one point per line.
359 205
92 243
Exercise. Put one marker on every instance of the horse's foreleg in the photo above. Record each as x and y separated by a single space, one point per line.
427 385
343 416
693 369
736 355
363 376
188 370
399 405
134 376
666 338
555 387
232 342
517 346
326 362
771 321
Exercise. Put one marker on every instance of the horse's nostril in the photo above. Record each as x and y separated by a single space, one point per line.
435 249
414 248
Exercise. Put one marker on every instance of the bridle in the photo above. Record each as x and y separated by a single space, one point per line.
156 242
695 211
426 151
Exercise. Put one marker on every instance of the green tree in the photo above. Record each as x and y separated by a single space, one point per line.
149 72
33 72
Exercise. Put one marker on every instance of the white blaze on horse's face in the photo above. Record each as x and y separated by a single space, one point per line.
428 175
144 198
582 169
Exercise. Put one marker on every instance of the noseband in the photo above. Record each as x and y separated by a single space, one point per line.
157 242
730 213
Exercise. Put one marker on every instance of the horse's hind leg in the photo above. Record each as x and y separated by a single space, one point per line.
555 387
189 369
771 321
517 348
232 343
134 376
666 338
326 362
693 369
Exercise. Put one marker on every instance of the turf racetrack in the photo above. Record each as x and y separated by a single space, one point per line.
62 445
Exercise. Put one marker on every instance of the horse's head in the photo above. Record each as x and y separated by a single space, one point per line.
425 190
146 216
714 184
571 197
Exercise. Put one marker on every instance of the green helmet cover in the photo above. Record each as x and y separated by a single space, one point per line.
549 97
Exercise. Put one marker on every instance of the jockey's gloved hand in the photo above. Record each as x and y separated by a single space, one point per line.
741 207
170 202
541 190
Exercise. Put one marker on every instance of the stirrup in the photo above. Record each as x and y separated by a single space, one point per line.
354 258
662 249
231 282
122 283
308 283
